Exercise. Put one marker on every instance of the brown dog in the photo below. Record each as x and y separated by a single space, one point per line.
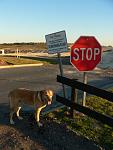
38 99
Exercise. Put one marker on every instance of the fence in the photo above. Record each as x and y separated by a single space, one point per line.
74 84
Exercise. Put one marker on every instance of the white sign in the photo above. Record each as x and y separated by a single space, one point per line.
56 42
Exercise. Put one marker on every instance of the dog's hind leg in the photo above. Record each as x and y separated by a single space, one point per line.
11 117
11 111
17 113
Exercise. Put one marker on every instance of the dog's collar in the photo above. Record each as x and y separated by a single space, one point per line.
37 96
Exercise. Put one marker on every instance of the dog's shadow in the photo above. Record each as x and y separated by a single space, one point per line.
28 127
51 135
28 120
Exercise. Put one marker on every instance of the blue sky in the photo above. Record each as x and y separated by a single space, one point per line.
31 20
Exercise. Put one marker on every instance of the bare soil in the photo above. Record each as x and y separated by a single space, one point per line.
3 63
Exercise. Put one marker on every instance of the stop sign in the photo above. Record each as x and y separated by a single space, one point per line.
85 53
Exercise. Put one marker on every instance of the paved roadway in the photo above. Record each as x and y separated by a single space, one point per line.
36 78
41 77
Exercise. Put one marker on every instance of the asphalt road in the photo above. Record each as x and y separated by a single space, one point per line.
35 78
44 77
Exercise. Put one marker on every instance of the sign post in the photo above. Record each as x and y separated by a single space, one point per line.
61 72
57 43
86 53
85 82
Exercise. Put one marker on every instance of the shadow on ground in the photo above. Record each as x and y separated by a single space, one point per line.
25 134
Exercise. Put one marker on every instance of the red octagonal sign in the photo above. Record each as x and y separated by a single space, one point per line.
86 53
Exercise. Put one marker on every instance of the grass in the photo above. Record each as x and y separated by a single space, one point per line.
94 130
22 60
23 46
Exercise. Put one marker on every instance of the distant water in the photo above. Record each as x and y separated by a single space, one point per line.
107 60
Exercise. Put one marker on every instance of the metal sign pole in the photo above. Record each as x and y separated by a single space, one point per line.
57 43
84 94
61 72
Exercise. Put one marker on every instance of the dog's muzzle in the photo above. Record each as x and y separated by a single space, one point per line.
50 100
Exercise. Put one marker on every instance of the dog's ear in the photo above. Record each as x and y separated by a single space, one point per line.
43 92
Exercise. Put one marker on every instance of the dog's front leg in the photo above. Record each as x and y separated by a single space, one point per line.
38 116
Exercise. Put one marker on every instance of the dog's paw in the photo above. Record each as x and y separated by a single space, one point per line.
12 122
20 118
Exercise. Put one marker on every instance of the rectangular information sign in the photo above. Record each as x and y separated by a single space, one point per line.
57 42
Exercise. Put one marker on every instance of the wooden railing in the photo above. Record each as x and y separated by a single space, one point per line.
74 84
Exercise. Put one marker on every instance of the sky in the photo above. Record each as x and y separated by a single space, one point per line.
31 20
